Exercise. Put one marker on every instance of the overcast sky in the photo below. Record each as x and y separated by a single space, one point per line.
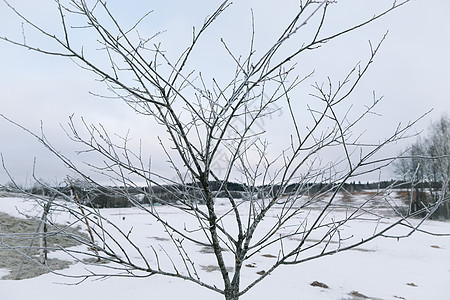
411 71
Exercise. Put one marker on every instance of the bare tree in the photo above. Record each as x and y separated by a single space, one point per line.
426 164
212 124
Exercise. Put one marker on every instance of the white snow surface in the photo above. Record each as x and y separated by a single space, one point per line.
417 267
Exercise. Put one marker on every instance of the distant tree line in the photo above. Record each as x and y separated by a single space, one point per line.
110 197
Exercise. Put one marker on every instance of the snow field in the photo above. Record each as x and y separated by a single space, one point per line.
414 268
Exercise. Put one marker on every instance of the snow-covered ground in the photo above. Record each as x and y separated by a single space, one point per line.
414 268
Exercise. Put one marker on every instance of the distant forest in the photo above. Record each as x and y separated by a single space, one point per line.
104 197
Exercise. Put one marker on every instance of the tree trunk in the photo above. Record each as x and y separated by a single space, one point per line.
43 232
232 293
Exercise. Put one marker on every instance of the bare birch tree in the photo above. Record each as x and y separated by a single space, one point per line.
426 165
213 124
